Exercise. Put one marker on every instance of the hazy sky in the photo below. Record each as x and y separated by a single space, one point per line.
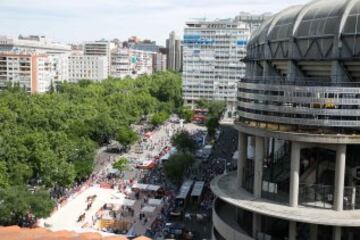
80 20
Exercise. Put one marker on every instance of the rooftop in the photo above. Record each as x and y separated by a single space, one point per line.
17 233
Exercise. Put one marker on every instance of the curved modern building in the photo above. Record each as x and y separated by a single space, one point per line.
298 174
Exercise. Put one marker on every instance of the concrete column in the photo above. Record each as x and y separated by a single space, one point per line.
256 225
313 232
259 163
292 230
293 71
242 157
337 233
339 177
338 73
294 174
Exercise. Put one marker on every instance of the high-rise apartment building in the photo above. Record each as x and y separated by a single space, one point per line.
131 62
100 48
212 59
159 62
298 172
31 71
83 67
174 50
59 66
57 56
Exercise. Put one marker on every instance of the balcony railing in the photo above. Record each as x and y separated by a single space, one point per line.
316 195
322 196
331 81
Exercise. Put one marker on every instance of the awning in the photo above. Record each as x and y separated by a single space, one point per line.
146 187
122 202
197 189
139 186
148 209
153 188
154 202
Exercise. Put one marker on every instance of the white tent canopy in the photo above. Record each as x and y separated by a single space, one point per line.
148 209
123 202
153 188
154 202
146 187
139 186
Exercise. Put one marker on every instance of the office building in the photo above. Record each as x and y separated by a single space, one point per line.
145 45
298 171
130 62
212 54
38 44
84 67
30 71
174 57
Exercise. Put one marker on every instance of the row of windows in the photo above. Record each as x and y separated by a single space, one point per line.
299 105
303 116
302 94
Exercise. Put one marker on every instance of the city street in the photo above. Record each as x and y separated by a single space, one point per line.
67 215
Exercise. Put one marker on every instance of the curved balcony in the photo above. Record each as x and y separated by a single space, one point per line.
304 102
224 221
225 188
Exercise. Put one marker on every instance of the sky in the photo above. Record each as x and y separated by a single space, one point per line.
75 21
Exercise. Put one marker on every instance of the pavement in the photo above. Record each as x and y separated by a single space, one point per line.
66 216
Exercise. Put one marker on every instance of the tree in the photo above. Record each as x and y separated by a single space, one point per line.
177 164
159 118
49 139
216 108
126 136
212 124
3 175
17 202
186 113
121 165
215 111
184 142
202 103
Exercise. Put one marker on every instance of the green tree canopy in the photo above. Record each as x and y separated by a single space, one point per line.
126 136
50 139
186 113
176 166
121 165
17 202
184 142
159 118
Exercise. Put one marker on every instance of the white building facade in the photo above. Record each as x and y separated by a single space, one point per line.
212 54
99 48
39 44
159 62
130 62
31 71
82 67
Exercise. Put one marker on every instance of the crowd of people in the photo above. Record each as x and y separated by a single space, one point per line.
153 148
